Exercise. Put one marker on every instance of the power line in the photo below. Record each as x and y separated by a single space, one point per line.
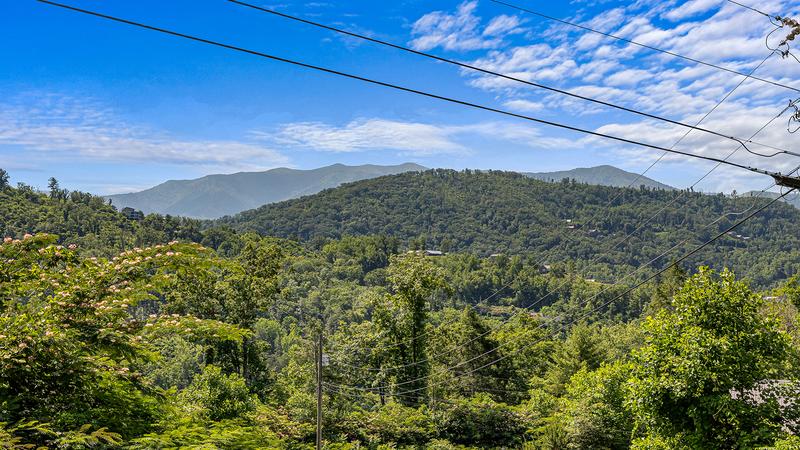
781 178
639 44
684 257
504 76
751 8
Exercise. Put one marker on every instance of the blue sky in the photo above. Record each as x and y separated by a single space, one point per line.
109 108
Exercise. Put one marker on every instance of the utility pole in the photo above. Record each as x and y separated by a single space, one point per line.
318 358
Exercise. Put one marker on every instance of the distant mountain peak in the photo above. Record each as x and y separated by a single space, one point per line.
218 195
603 175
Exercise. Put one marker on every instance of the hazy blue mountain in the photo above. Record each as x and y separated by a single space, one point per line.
792 199
600 175
215 196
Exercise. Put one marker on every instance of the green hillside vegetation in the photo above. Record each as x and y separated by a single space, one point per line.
85 220
506 213
215 196
601 176
174 344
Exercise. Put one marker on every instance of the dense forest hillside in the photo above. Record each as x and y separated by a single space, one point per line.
500 212
215 196
602 176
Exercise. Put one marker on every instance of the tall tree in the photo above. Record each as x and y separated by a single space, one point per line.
703 362
3 179
53 186
403 317
581 350
465 351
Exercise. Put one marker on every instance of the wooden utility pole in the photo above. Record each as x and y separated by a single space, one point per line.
318 360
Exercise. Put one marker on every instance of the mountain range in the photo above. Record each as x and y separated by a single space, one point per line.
215 196
792 199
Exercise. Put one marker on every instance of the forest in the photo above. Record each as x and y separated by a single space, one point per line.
605 231
176 333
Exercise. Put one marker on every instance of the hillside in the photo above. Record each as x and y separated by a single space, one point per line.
502 212
215 196
602 176
86 220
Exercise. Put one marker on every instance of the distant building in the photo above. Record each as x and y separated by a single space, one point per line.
427 252
132 214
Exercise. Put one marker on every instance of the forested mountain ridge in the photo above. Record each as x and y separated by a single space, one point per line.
215 196
503 212
602 176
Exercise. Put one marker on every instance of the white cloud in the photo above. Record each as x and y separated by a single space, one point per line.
409 138
66 126
627 77
461 31
368 134
524 105
502 25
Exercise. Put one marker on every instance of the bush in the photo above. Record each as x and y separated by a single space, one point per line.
400 424
479 421
216 396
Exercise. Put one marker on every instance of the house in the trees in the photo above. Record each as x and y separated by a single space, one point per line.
132 214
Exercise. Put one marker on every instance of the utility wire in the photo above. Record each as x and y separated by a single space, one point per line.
778 176
507 77
630 41
751 8
721 217
630 274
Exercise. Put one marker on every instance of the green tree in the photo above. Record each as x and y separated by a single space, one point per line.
481 422
593 412
216 396
55 190
792 290
3 179
403 317
465 354
581 350
700 360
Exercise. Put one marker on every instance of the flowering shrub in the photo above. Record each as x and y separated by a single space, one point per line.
70 348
